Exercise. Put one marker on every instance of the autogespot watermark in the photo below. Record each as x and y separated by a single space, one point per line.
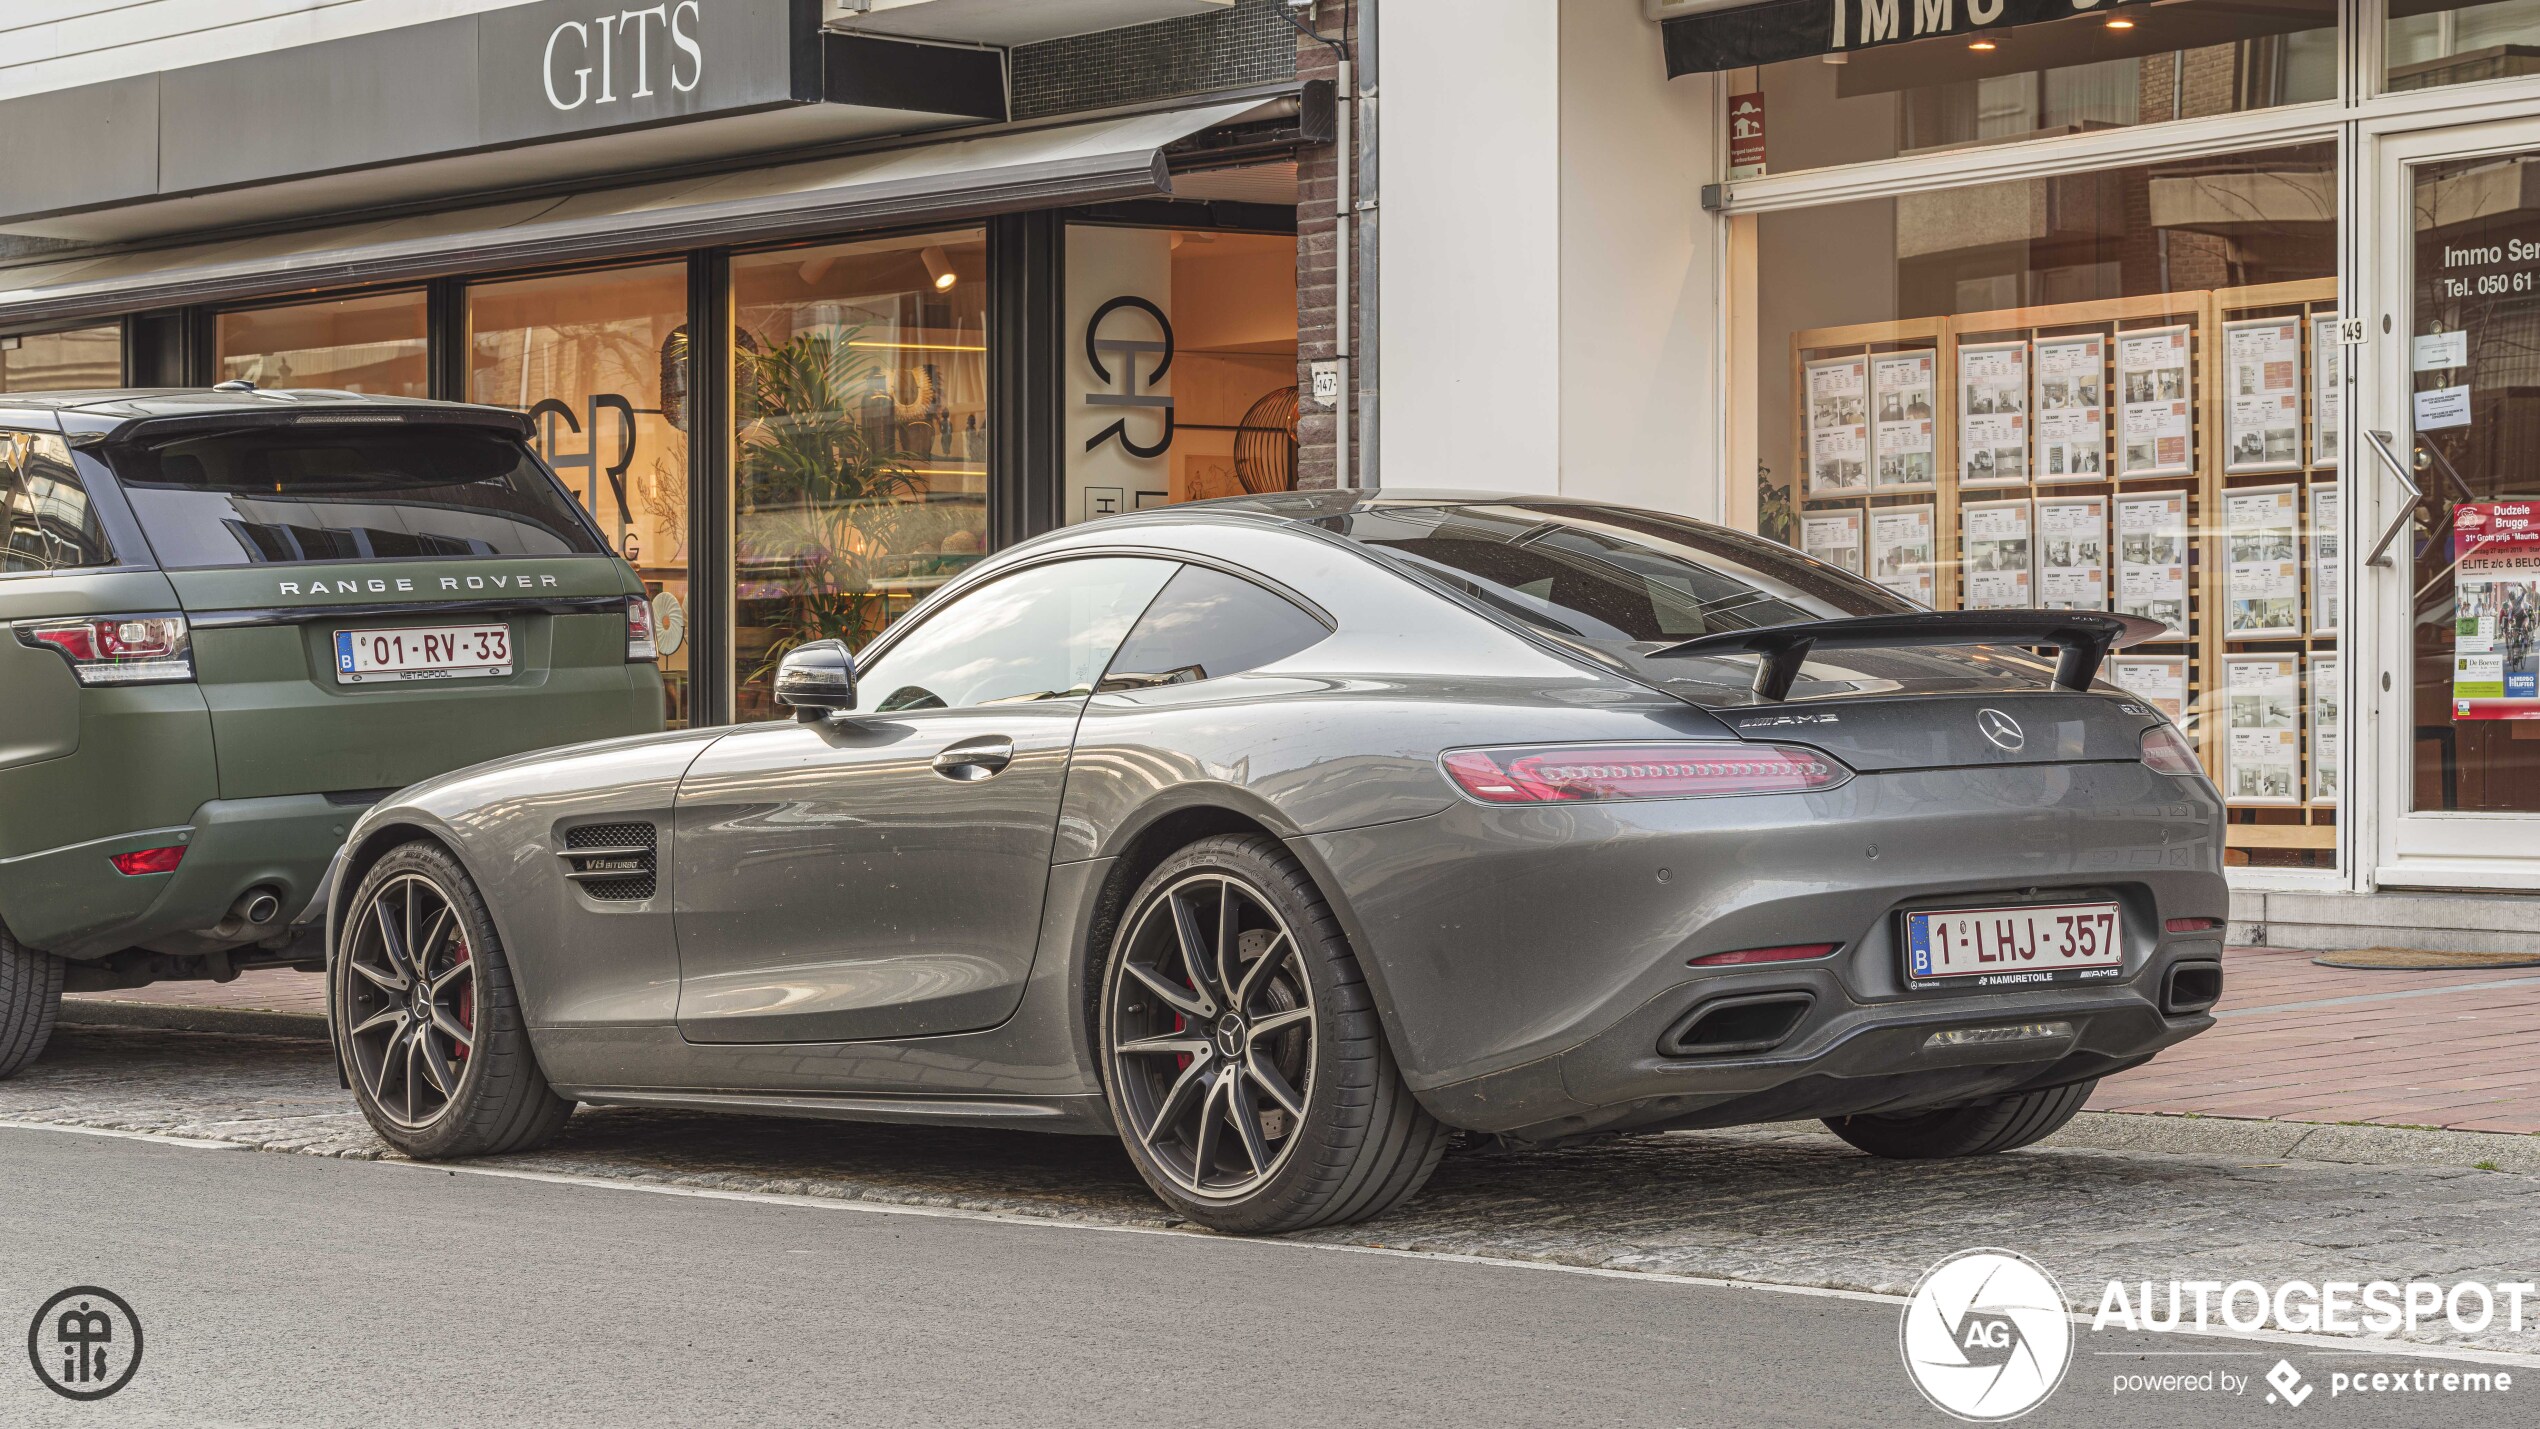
1986 1335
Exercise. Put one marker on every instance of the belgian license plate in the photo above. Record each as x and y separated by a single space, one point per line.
435 652
2005 947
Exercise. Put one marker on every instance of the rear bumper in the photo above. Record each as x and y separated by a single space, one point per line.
72 902
1530 961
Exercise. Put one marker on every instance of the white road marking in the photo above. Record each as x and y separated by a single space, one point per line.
2334 1344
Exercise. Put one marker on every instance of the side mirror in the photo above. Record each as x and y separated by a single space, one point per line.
817 680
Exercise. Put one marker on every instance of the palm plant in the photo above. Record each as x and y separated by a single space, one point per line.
825 497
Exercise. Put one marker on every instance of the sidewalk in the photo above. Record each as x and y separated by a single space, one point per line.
2295 1042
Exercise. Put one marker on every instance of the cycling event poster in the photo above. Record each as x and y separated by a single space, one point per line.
2495 666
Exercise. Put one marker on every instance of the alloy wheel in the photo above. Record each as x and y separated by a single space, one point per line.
1212 1036
410 999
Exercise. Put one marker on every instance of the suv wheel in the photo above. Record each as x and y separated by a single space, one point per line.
1976 1129
1241 1052
427 1021
30 1000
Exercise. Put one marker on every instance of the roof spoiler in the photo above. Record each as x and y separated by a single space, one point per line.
336 414
2081 640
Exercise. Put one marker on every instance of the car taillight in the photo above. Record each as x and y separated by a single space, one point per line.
640 644
148 860
2192 925
1594 773
2166 751
118 649
1795 953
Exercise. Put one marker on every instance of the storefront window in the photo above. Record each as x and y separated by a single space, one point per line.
1181 365
377 344
2432 44
81 360
599 360
2110 391
860 444
2107 68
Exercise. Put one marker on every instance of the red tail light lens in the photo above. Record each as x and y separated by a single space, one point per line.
148 860
2166 751
118 649
1795 953
1596 773
2192 925
640 644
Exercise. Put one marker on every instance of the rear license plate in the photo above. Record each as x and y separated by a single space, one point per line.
437 652
2003 947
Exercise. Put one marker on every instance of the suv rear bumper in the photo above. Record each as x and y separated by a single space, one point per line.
72 902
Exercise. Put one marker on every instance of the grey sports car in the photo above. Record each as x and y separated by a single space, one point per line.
1289 837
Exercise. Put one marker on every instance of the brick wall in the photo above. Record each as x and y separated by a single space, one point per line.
1317 306
1248 44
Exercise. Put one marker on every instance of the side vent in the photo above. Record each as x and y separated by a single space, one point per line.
611 861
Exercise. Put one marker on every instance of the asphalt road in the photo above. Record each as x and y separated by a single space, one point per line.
290 1290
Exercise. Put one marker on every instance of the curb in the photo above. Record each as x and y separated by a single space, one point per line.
179 1017
2354 1145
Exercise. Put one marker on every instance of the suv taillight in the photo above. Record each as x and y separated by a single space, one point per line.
118 649
1599 772
2166 751
640 644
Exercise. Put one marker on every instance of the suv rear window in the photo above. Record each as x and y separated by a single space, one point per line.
286 495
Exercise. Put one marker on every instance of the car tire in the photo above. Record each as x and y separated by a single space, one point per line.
1976 1129
440 1061
1336 1136
30 1002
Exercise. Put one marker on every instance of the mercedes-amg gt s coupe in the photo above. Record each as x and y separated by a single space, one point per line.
1288 837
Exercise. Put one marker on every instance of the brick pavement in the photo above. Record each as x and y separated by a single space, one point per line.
2296 1042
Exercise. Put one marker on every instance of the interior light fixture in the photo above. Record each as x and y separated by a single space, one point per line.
939 267
1981 46
2119 22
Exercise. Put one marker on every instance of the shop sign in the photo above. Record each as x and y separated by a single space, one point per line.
562 67
2496 610
1129 388
1794 29
1746 136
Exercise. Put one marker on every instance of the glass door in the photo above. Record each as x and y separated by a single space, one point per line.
2451 528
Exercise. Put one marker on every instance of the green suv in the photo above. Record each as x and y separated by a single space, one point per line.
229 622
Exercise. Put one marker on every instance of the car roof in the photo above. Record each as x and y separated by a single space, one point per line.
109 409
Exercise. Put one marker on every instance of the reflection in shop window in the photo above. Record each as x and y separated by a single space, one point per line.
2431 44
376 344
81 360
860 449
2117 390
599 361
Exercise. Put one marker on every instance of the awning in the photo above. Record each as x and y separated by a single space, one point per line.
1094 162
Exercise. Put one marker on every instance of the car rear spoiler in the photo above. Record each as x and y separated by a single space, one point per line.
2081 640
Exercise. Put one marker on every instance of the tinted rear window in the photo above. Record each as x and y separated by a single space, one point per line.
1612 576
285 495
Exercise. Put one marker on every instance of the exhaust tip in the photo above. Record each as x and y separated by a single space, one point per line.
1732 1026
260 906
2191 987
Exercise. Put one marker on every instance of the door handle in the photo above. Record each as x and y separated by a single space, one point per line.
975 759
2380 443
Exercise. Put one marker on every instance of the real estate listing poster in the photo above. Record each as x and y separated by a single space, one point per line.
1993 550
2158 680
1832 536
2155 394
1993 414
2327 570
2262 395
2328 390
1838 427
2263 763
2071 408
1903 384
2328 731
1901 551
2262 579
2152 558
2072 553
2496 610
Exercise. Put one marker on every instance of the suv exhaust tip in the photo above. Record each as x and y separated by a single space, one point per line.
1730 1026
256 907
2191 987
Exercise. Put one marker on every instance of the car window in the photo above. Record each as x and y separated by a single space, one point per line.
51 526
1206 624
285 495
1609 575
1044 633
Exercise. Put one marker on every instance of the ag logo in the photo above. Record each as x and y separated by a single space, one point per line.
1986 1336
85 1343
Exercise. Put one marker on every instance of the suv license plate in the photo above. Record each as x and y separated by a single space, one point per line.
2005 947
435 652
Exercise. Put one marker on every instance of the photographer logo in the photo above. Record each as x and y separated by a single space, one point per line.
85 1343
1986 1336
